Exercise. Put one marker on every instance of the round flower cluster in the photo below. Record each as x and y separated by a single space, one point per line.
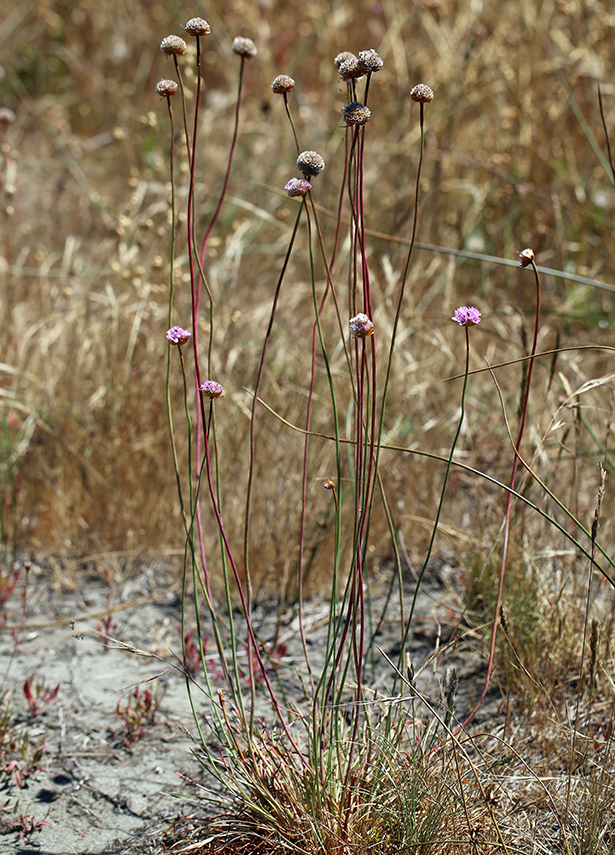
422 93
197 27
467 316
173 46
178 335
166 88
342 57
350 69
297 187
283 83
361 326
310 163
370 60
244 47
356 113
211 389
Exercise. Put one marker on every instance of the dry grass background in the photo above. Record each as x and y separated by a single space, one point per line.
514 158
85 257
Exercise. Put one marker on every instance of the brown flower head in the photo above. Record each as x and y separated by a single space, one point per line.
166 88
350 69
370 60
526 257
356 113
310 163
173 46
283 83
244 47
197 27
342 57
422 93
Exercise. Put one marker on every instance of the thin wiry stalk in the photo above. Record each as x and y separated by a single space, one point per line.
191 154
246 543
170 319
252 641
292 124
440 503
402 290
509 500
606 134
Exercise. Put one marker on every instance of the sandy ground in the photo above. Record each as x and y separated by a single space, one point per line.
98 794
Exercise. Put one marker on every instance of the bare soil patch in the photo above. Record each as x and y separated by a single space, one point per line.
100 791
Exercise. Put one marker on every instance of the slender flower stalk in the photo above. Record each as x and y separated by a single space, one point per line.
526 259
466 317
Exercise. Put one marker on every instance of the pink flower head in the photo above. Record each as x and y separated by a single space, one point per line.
178 335
361 326
467 316
211 389
297 187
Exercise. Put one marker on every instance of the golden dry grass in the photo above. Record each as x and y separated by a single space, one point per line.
514 158
86 253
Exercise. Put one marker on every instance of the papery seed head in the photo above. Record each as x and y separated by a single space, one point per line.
244 47
173 45
370 60
361 326
350 69
526 257
467 316
211 389
283 83
310 163
297 187
422 93
166 88
356 113
343 56
197 27
178 335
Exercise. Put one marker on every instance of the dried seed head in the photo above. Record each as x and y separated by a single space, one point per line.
297 187
244 47
356 113
526 257
310 163
422 93
342 57
350 69
178 335
370 60
173 45
361 326
166 88
283 83
197 27
467 316
211 389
